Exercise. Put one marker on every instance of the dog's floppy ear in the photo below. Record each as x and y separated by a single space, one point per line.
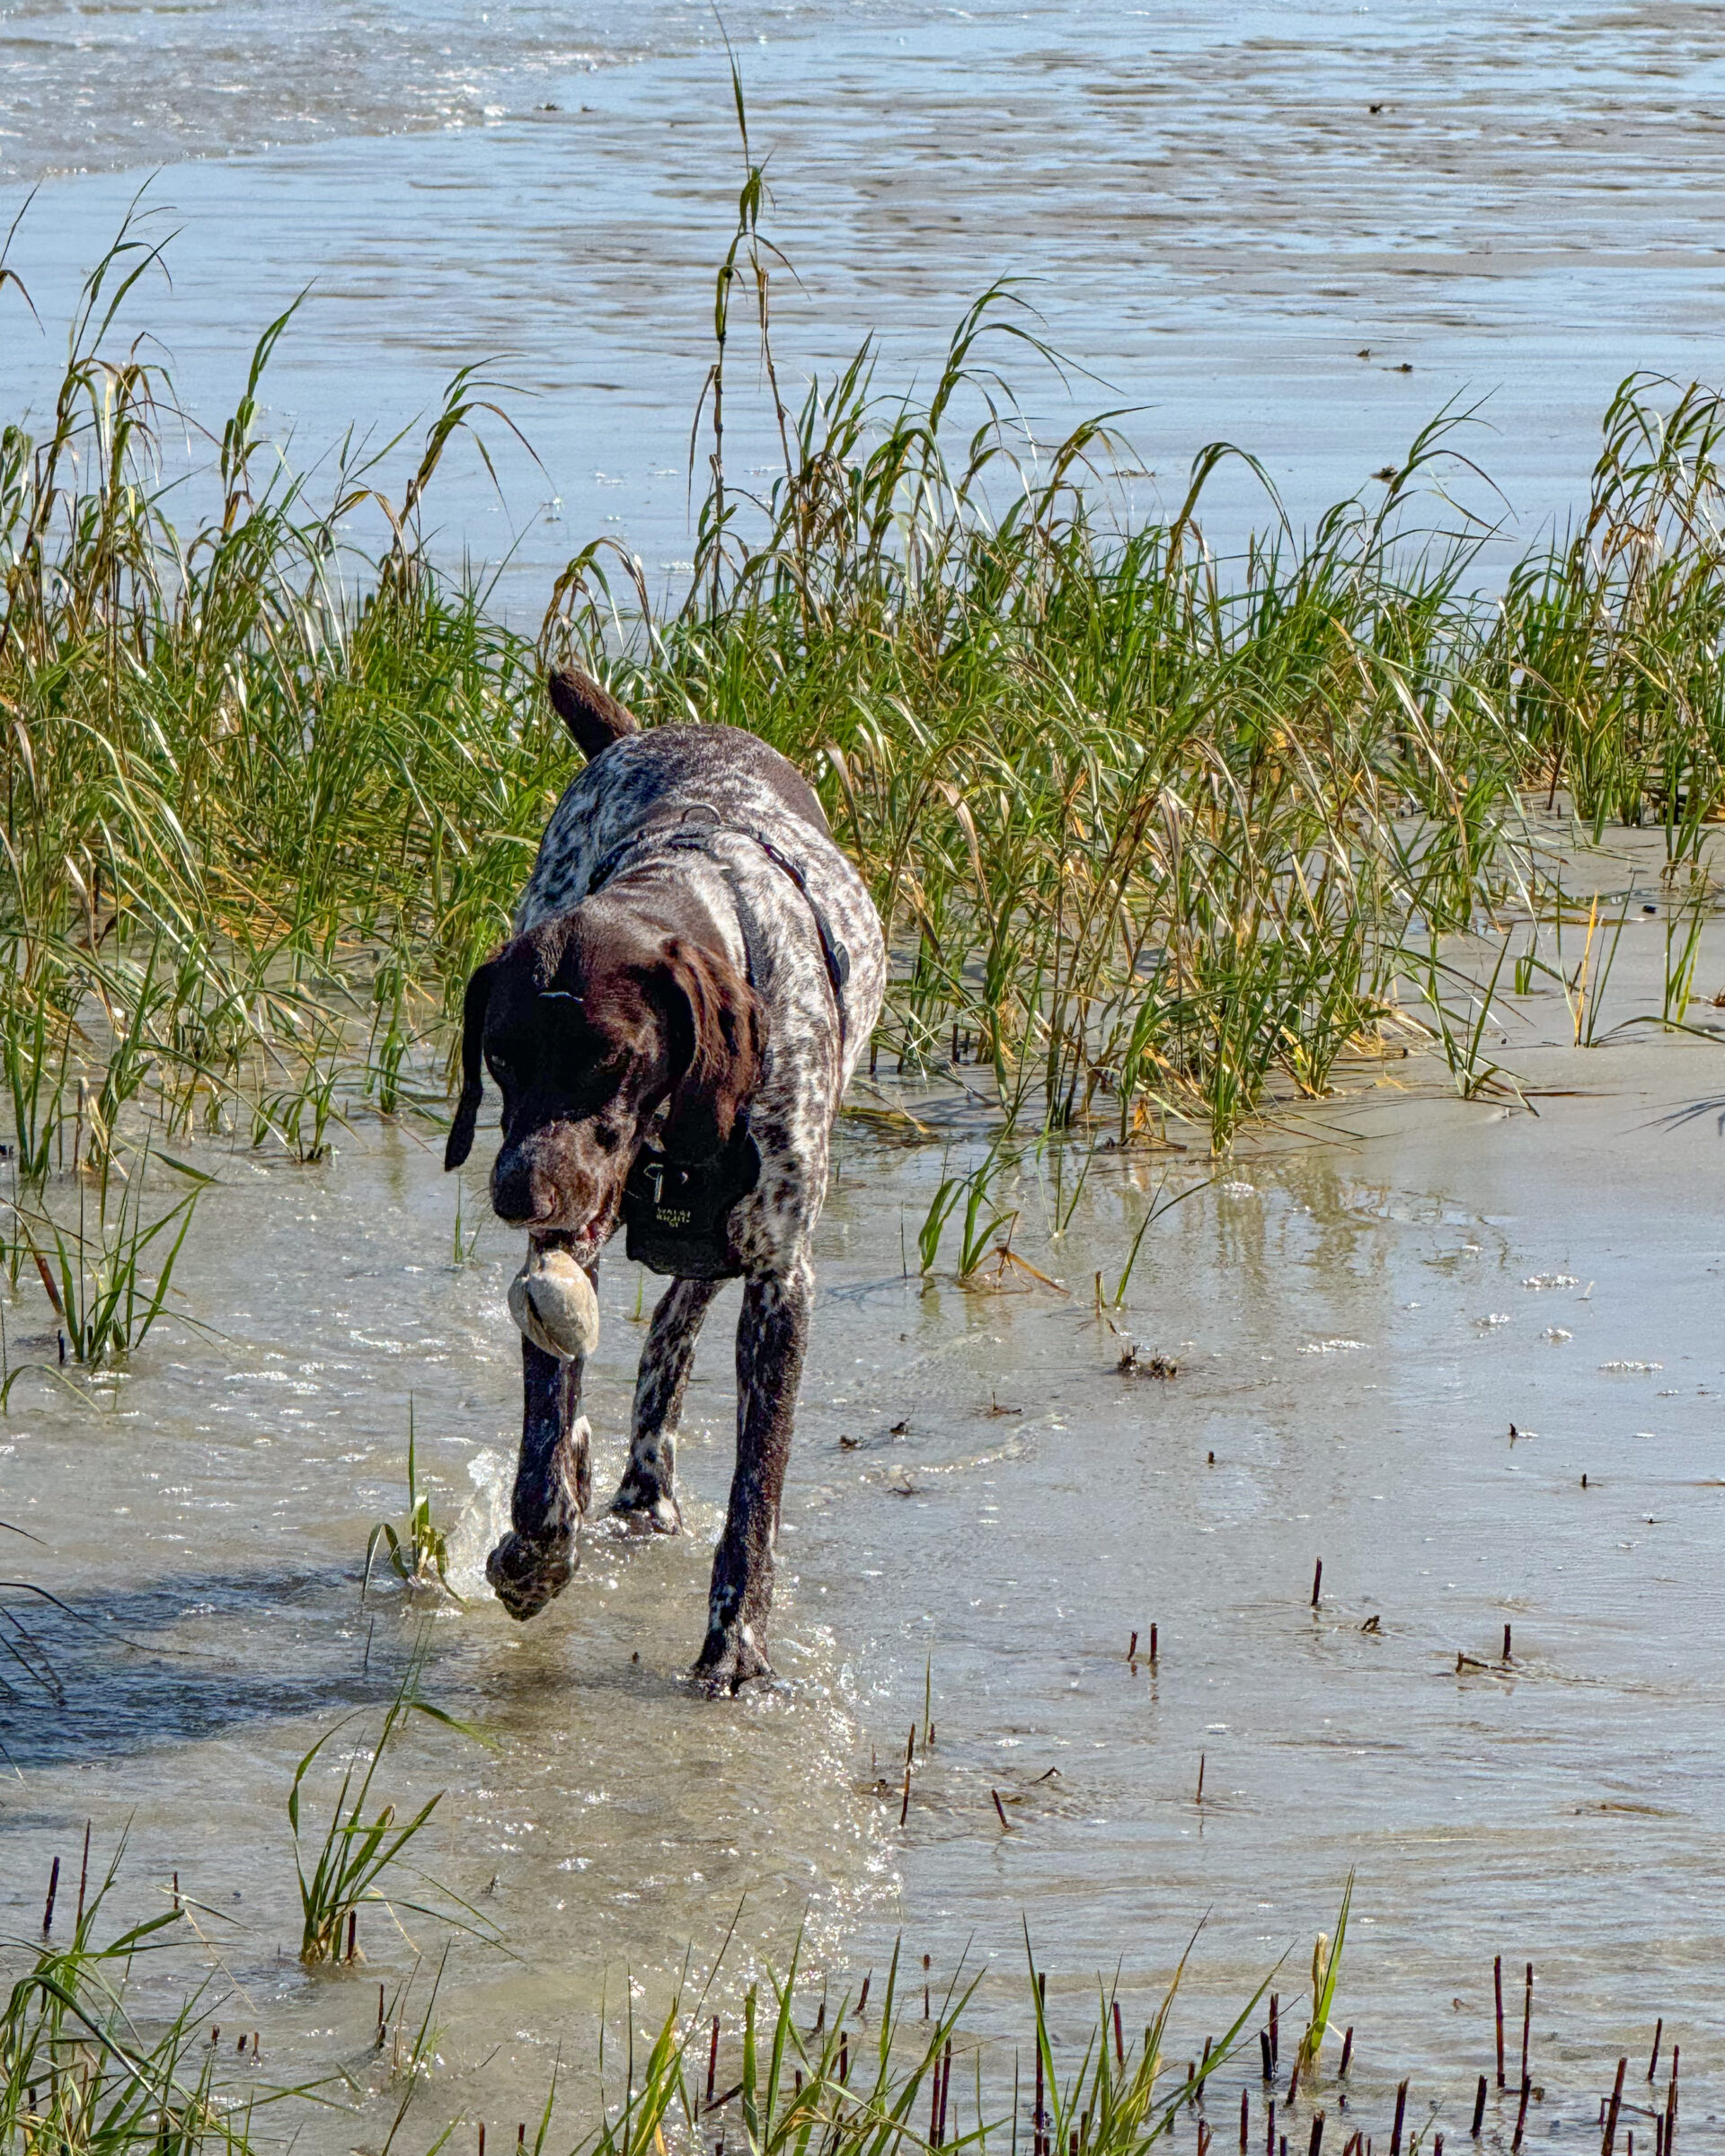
718 1039
473 1065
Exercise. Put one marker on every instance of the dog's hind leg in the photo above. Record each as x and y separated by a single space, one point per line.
553 1482
647 1491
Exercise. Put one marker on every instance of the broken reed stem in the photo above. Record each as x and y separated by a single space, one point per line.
1005 1824
1478 2110
1246 2118
47 1906
1317 1583
84 1880
1653 2064
1400 2113
713 2062
1610 2141
1526 2020
1497 1986
1521 2113
1347 2053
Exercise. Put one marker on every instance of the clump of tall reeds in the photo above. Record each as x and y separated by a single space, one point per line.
1151 829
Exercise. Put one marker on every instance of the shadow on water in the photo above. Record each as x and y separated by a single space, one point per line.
123 1683
108 1677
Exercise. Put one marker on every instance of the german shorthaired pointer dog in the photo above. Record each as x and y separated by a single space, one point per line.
695 970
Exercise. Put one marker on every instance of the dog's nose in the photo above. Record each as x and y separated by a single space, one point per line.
518 1194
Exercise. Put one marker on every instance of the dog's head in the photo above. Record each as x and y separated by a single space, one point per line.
588 1024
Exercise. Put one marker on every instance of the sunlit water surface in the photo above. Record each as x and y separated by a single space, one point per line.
980 1501
1220 226
1303 229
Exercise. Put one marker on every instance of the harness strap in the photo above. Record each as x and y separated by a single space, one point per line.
685 836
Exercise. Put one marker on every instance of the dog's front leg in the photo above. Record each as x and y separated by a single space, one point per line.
771 1340
647 1491
537 1560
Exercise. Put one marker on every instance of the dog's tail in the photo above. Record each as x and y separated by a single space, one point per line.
592 714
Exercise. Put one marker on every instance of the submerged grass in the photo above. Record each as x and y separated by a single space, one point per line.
792 2069
1154 833
80 2076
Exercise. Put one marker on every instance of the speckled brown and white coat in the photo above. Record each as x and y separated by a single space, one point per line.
685 825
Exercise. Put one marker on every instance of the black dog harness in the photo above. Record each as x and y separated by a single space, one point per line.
678 1216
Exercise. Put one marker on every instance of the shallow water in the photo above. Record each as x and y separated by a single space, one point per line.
1205 204
1360 1305
1221 225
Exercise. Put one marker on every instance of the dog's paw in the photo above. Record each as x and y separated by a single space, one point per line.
526 1576
647 1510
728 1661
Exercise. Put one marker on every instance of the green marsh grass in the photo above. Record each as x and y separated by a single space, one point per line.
849 2084
793 2068
341 1870
418 1552
93 1272
79 2076
1154 828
